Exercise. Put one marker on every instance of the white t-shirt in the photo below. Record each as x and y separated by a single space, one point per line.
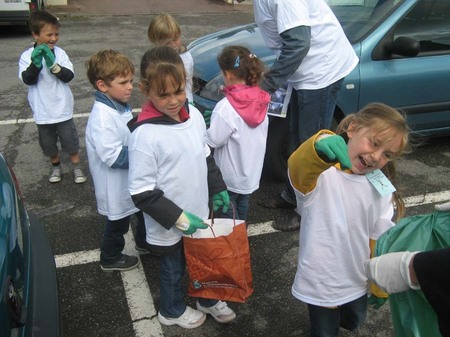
188 63
106 134
239 149
339 217
51 99
171 158
331 56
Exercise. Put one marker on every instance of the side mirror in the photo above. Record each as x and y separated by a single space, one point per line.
403 46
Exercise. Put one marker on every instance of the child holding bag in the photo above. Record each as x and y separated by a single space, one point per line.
171 175
346 201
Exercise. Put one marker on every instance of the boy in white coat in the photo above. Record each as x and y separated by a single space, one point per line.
112 74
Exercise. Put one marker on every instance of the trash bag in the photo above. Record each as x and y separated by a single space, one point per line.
412 315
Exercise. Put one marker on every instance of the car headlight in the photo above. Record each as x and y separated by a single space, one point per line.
213 90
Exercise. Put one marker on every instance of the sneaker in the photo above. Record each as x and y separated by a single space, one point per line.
220 312
141 250
126 262
55 175
78 176
276 201
190 319
287 222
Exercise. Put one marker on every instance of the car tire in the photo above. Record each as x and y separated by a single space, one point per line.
277 150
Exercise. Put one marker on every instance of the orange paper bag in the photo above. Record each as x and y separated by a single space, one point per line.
218 261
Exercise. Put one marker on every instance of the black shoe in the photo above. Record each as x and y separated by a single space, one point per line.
126 262
287 222
141 250
275 201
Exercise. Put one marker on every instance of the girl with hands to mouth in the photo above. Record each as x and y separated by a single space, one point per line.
344 185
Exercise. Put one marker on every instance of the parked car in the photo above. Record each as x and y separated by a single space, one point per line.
17 12
29 302
404 52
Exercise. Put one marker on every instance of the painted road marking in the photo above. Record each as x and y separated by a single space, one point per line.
140 302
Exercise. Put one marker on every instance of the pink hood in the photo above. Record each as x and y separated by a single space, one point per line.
250 102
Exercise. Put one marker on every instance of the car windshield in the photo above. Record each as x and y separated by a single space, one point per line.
360 17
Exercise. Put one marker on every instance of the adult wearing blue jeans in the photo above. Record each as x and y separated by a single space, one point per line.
314 56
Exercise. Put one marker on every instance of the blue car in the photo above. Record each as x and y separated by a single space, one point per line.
404 52
29 302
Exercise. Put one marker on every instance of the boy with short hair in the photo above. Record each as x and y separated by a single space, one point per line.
111 73
46 69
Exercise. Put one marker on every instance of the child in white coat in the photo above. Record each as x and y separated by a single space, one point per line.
111 74
239 123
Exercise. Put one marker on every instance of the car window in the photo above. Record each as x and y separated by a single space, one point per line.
359 18
429 23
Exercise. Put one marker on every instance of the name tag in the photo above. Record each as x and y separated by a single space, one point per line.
380 182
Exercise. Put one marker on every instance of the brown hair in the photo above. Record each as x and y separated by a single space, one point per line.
163 29
157 65
40 18
242 63
106 65
390 123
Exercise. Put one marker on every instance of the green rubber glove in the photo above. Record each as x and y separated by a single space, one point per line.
37 55
207 117
334 149
376 302
221 199
49 57
188 223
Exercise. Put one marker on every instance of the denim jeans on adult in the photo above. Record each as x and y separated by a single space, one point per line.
240 203
325 322
113 240
171 286
309 112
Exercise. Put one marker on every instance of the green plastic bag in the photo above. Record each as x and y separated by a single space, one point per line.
412 315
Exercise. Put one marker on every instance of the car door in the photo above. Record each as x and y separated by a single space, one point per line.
420 84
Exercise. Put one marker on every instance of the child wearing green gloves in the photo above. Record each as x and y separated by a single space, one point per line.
171 175
46 69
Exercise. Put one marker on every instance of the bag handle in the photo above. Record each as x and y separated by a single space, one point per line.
234 216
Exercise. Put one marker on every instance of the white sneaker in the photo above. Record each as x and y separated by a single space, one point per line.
190 319
78 176
55 175
220 312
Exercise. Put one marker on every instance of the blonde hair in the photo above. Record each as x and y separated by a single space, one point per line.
106 65
389 123
163 29
159 64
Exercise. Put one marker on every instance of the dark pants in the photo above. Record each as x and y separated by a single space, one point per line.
172 293
113 240
325 322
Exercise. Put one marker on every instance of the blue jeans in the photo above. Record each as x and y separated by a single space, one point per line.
325 322
113 240
240 203
171 285
309 111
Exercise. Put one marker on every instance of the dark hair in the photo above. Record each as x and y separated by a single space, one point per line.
40 18
242 63
106 65
158 64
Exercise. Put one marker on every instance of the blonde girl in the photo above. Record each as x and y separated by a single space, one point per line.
344 188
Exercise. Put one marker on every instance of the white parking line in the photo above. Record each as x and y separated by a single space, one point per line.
140 302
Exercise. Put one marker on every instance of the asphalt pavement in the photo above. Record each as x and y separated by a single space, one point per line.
94 303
